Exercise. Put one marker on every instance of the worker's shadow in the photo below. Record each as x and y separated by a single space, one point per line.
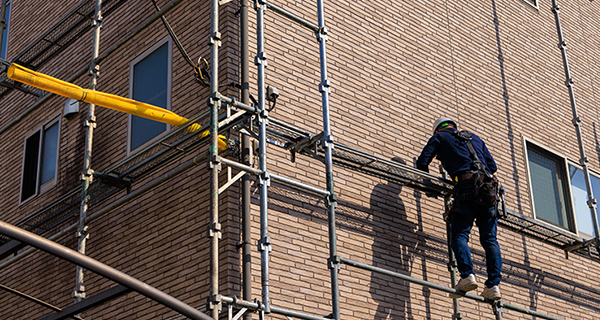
394 246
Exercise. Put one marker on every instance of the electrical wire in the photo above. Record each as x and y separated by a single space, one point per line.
201 67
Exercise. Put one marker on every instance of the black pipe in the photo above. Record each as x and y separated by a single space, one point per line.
247 160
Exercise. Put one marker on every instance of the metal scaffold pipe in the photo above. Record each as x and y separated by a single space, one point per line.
87 173
441 288
264 179
324 88
246 159
214 102
583 161
101 269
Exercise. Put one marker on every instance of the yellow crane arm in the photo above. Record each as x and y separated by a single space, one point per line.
47 83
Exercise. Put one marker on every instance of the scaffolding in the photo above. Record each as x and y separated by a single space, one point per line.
120 179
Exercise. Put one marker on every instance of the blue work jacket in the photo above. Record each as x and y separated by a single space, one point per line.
454 154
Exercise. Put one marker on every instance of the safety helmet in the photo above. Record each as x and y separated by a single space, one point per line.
441 121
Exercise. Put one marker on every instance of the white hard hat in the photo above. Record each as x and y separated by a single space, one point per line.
441 121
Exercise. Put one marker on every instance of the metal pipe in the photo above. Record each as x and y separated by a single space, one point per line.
297 184
65 253
440 287
214 103
334 262
87 174
101 57
35 300
100 213
240 105
265 241
293 17
255 306
562 44
240 166
246 160
452 266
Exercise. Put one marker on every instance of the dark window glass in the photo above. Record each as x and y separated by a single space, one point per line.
548 183
49 153
30 166
150 85
5 34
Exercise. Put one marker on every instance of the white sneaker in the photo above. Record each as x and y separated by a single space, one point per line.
465 284
492 293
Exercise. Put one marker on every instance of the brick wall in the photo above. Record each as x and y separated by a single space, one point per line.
394 67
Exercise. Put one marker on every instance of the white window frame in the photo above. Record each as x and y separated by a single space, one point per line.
569 194
40 189
139 58
592 172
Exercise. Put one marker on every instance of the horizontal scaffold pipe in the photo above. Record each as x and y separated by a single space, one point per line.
255 306
293 17
441 288
100 268
101 57
35 300
103 99
275 177
138 192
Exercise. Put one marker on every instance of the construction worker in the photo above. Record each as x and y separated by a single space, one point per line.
452 149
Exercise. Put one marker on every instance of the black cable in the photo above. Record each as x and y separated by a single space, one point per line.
200 68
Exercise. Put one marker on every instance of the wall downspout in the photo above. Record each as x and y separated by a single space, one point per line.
583 161
87 175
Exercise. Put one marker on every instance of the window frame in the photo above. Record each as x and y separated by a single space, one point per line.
41 188
132 63
5 39
563 162
592 173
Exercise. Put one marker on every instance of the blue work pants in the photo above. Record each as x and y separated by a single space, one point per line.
461 222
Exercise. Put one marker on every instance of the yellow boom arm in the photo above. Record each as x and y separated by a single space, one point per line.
107 100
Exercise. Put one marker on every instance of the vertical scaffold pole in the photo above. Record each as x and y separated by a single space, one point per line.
87 175
247 160
214 102
324 88
583 161
452 267
264 245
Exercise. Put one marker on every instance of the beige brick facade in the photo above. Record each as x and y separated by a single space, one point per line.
394 67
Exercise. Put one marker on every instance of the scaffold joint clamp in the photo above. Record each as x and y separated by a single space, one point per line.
214 39
214 301
214 229
334 263
263 178
265 244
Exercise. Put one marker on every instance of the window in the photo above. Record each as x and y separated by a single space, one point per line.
40 160
150 82
5 34
549 187
579 191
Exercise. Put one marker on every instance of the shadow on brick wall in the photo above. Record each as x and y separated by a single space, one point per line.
405 240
